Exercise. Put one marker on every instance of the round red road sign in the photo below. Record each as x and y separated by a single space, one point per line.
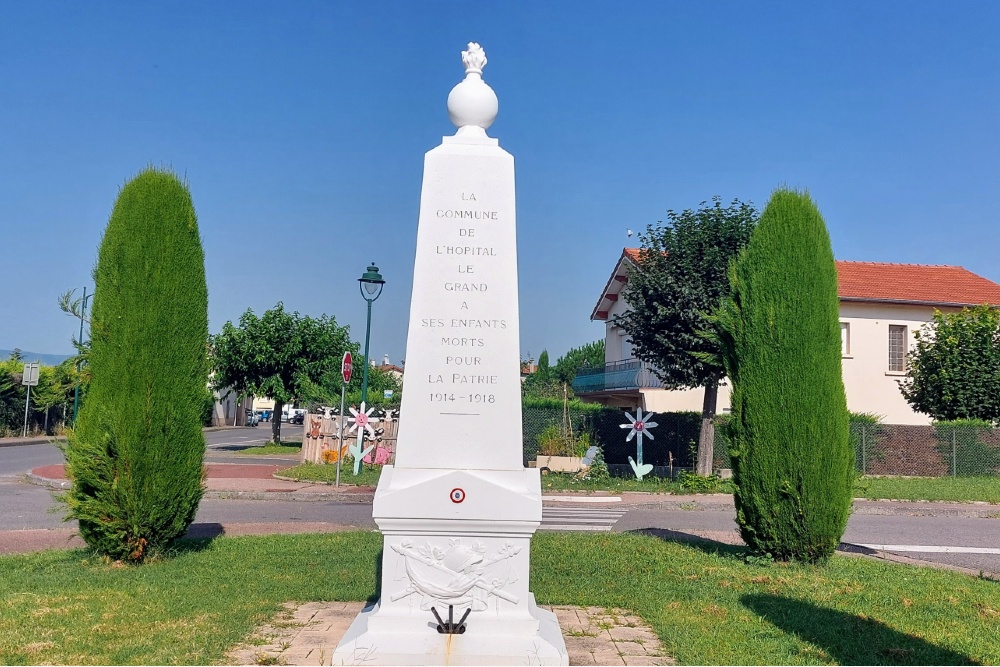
457 495
346 366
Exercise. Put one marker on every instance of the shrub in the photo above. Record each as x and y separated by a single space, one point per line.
554 441
537 418
135 458
598 470
866 435
793 464
207 407
702 484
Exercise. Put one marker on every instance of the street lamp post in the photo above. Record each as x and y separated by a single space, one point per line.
371 287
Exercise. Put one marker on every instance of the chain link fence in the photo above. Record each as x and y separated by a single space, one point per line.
939 450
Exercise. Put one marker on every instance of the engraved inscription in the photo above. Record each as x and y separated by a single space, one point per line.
469 243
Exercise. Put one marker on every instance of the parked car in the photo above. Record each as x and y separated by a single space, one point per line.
298 417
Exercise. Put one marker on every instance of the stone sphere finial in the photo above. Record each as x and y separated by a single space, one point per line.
472 104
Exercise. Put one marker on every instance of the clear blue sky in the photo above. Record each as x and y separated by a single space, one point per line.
301 128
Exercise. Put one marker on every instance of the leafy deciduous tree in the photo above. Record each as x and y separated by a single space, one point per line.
954 371
680 279
279 355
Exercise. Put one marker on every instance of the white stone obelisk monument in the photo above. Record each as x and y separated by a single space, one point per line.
458 508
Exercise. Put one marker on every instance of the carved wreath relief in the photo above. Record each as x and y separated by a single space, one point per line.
459 575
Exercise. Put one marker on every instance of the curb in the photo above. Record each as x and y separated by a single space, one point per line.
849 549
37 480
40 440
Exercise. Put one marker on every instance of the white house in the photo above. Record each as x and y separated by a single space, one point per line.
881 307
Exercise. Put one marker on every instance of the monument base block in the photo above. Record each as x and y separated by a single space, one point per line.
425 646
468 551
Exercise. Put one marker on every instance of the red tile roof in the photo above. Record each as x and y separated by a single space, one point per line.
914 283
878 282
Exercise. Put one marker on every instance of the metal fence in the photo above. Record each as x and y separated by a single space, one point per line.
939 450
673 444
880 449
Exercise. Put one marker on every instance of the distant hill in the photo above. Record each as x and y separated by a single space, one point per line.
45 359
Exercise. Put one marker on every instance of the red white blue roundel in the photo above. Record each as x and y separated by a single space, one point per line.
457 495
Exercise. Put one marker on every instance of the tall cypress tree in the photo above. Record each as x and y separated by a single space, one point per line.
135 458
793 464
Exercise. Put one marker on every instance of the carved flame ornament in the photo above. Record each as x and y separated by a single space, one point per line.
474 59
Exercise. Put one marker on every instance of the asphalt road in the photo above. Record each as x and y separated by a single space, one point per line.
19 460
27 506
930 532
235 439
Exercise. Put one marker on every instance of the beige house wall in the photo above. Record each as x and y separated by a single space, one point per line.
869 384
682 400
616 344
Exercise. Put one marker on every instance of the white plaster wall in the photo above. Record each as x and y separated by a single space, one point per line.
616 346
682 400
868 383
227 407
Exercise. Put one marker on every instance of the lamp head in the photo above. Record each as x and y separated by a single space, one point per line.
371 283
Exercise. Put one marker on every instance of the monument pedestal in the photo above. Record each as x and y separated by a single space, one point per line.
469 549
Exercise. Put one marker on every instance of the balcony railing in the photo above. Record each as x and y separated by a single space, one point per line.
627 374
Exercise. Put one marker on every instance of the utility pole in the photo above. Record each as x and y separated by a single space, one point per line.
76 391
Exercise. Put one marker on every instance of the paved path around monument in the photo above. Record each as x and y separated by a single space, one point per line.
306 634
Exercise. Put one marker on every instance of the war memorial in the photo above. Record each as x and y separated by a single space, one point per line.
458 508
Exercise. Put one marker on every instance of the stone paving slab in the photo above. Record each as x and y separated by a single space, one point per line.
307 634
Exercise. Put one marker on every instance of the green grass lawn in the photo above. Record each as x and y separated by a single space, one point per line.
705 602
270 449
649 484
956 489
551 482
327 473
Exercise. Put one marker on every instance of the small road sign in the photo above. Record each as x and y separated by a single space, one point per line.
30 374
346 366
30 378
